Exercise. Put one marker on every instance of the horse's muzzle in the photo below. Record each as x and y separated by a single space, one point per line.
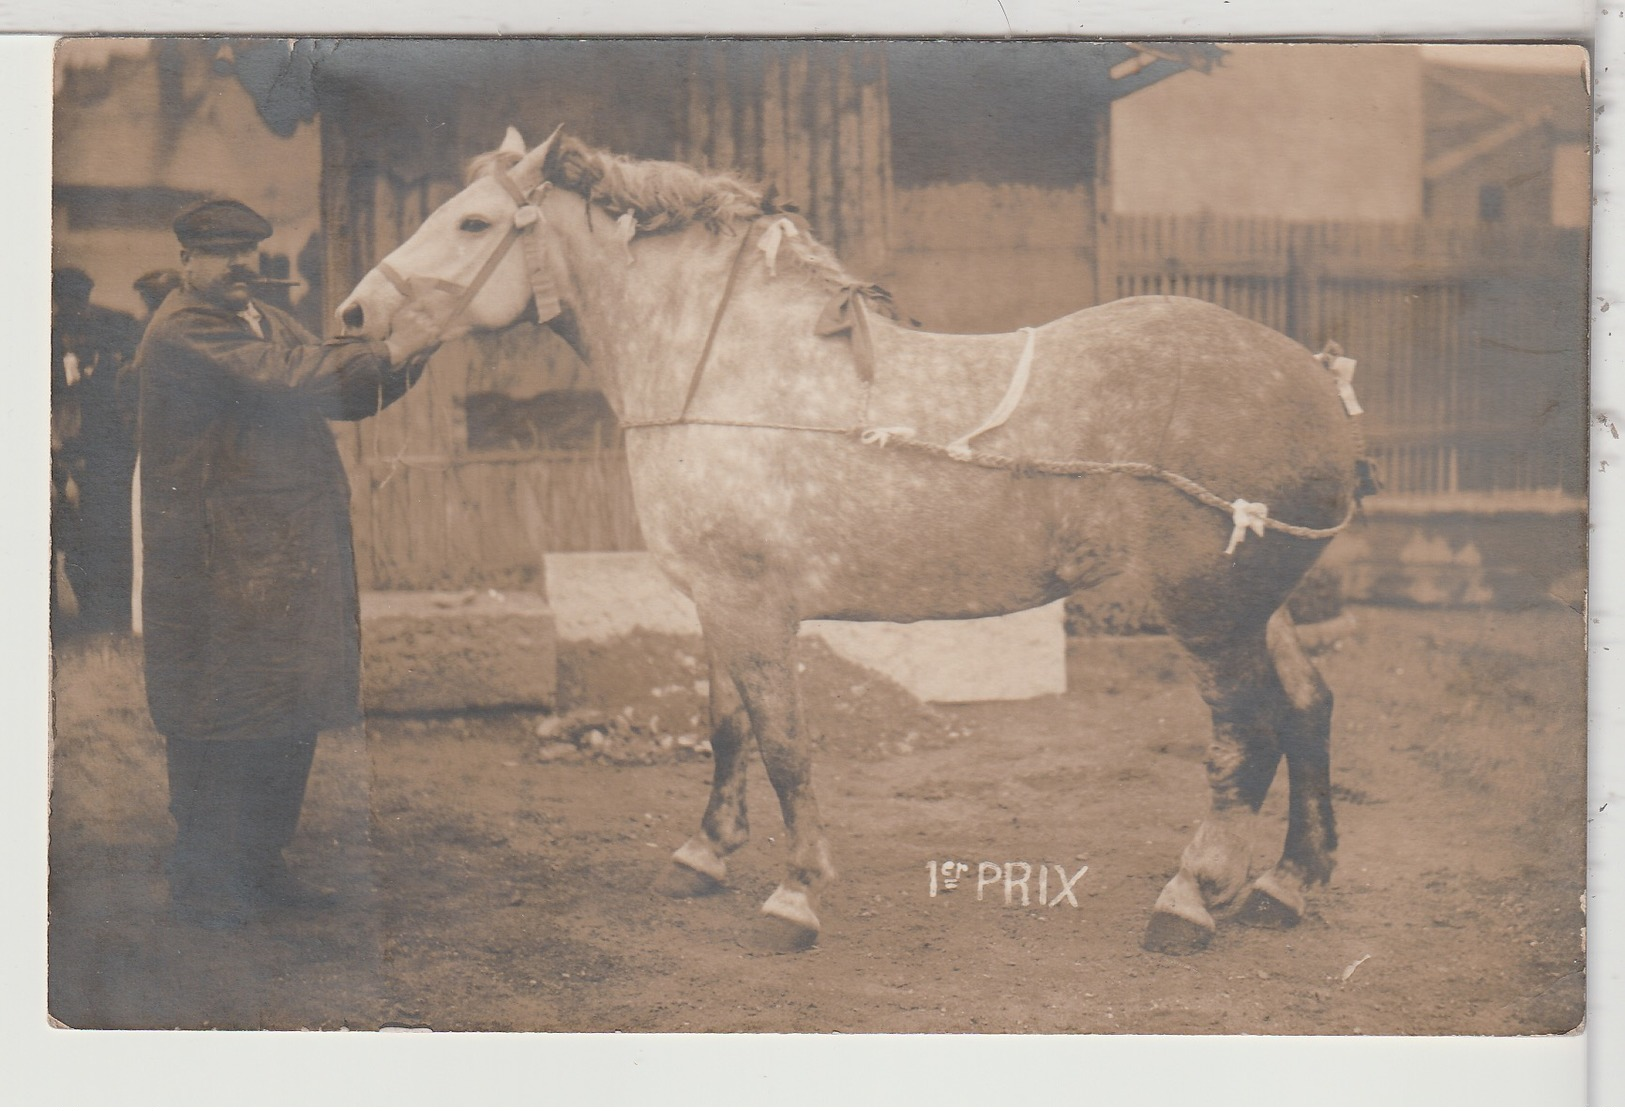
353 317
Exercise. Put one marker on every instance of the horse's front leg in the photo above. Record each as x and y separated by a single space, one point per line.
752 636
700 867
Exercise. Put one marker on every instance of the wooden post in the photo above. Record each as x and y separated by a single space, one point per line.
1100 188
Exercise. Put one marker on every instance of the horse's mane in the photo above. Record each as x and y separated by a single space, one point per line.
667 197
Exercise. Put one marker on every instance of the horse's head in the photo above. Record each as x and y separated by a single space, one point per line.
473 245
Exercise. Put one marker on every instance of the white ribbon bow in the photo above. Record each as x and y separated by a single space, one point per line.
777 232
1246 515
625 228
1344 369
882 437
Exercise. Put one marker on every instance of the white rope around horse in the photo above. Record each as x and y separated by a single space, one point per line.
961 448
1246 516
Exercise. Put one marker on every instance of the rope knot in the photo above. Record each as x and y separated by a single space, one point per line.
882 437
1246 515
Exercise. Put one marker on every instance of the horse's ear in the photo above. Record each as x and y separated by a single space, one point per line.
529 170
513 143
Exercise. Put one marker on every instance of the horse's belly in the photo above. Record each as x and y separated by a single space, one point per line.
830 532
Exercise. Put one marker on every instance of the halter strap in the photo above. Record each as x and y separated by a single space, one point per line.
526 216
395 279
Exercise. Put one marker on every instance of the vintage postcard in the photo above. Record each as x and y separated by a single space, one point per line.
865 536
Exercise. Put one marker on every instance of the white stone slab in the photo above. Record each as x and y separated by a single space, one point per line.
597 595
988 659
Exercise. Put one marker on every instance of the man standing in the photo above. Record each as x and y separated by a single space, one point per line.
250 615
93 449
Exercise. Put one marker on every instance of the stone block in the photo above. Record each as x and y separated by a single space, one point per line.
986 659
448 652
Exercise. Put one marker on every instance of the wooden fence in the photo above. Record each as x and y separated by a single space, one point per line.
432 512
1471 341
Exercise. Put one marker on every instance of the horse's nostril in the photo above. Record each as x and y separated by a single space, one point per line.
354 316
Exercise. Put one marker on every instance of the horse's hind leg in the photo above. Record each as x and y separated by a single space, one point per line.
1305 727
699 867
1239 684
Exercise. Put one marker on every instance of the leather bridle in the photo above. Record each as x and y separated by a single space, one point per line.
527 218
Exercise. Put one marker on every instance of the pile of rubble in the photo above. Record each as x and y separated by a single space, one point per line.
616 738
658 684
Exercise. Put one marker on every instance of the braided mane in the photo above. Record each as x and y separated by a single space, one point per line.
666 197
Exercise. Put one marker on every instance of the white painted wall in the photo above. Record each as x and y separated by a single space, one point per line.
1299 131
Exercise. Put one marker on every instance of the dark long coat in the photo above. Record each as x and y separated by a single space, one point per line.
249 609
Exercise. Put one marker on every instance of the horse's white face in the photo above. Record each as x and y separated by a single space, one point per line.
452 246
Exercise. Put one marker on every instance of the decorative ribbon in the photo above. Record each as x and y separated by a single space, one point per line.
960 448
1246 515
845 313
882 437
625 228
777 232
1344 369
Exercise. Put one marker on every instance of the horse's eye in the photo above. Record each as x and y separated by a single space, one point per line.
474 224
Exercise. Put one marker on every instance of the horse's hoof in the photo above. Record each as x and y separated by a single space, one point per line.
695 870
1171 934
1271 906
679 881
792 908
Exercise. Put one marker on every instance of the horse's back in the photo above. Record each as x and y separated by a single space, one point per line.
1238 401
1171 381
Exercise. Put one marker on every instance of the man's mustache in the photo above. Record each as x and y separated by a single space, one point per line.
238 274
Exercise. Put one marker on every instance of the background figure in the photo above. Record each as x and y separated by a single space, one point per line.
154 286
93 406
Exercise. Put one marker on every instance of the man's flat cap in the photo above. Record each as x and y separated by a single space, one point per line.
220 224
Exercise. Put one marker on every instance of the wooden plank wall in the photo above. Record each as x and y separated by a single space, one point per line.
426 512
430 513
811 119
979 257
1471 340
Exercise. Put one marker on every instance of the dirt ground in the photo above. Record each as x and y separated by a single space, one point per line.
496 872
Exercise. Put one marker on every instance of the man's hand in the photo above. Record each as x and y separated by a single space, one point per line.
423 323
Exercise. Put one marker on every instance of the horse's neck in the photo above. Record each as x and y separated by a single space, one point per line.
643 318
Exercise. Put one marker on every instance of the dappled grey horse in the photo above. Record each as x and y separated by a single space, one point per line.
795 454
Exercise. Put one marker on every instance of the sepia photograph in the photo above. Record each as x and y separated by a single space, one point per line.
792 535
